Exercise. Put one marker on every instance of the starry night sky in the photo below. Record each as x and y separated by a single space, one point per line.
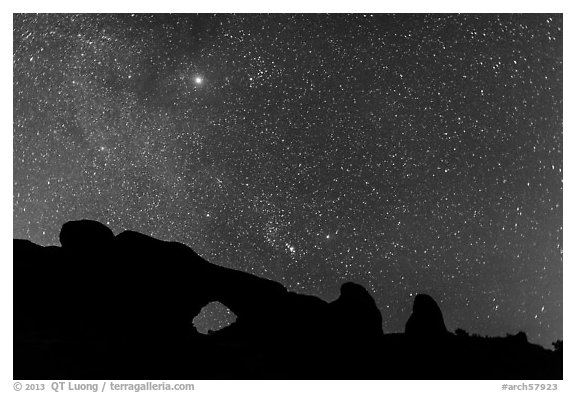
408 153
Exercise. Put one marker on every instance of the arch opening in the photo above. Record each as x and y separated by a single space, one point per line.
213 317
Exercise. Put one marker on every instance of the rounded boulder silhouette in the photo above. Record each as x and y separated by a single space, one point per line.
426 319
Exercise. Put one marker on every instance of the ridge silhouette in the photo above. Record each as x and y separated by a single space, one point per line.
121 307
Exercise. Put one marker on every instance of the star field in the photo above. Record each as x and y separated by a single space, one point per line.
408 153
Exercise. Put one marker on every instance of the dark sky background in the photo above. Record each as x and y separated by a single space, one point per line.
408 153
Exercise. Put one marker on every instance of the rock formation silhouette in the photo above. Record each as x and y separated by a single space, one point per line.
426 320
121 307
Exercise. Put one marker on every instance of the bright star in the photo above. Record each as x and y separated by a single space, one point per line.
291 248
198 80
